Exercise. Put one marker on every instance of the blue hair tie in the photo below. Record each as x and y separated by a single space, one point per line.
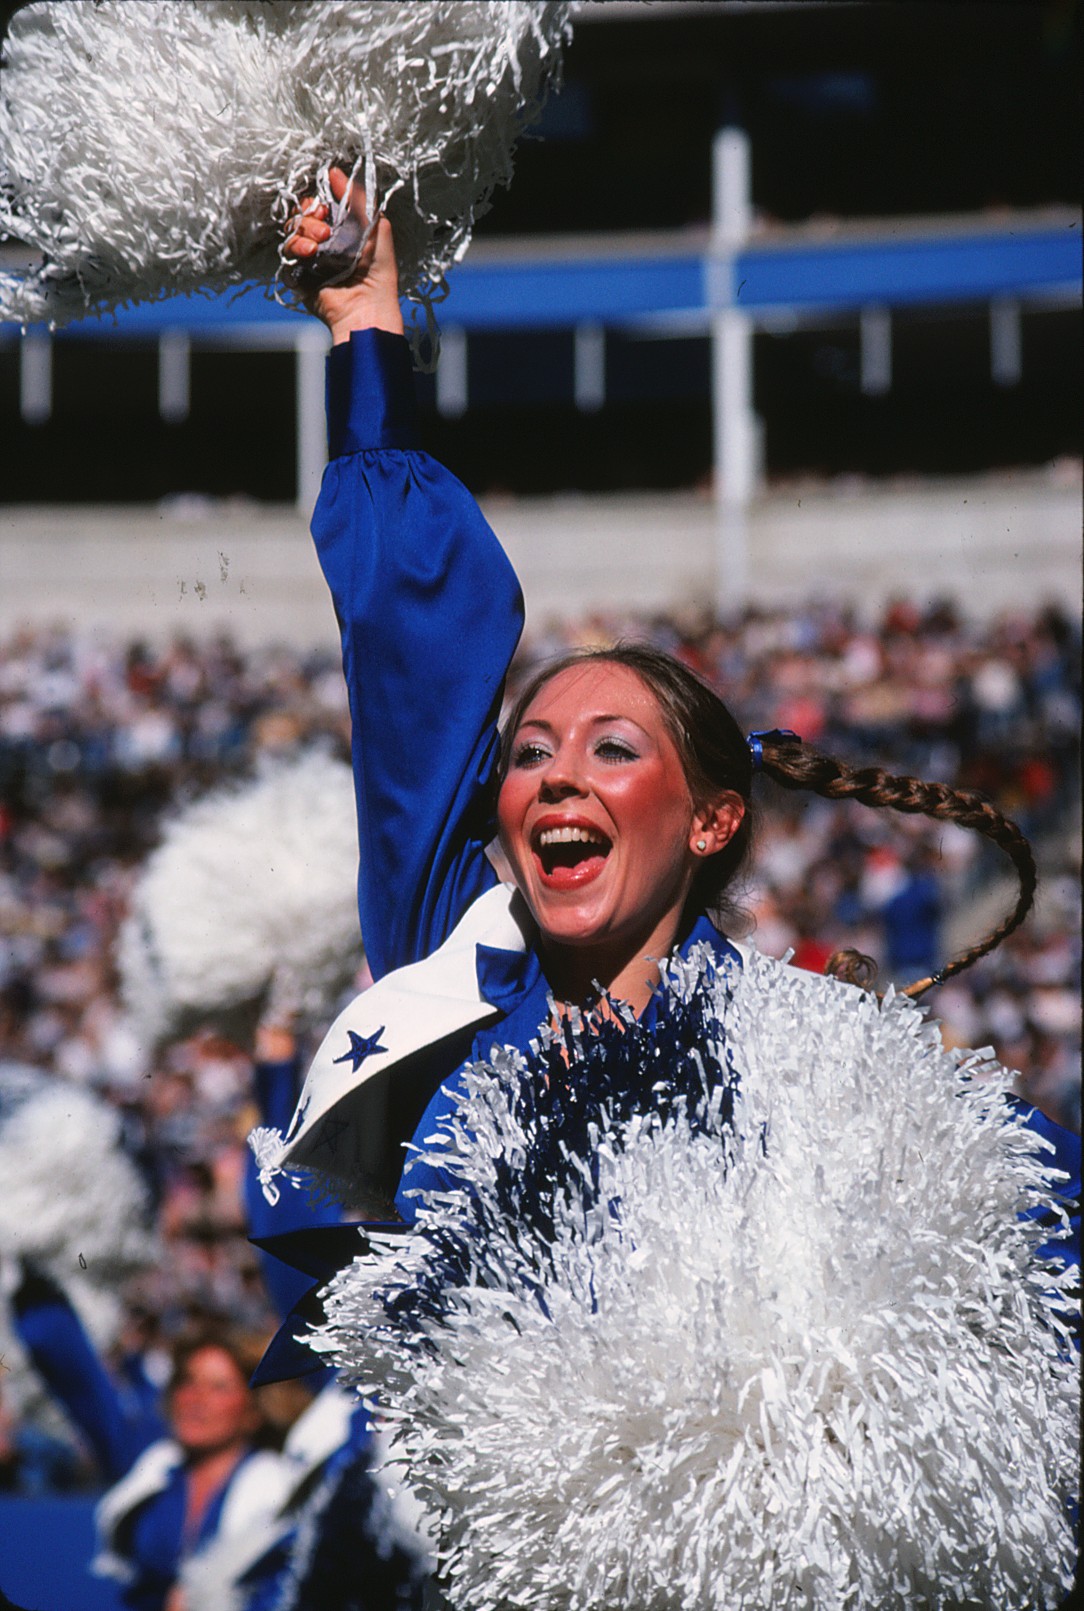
755 742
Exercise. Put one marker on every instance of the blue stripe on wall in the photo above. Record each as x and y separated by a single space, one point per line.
557 293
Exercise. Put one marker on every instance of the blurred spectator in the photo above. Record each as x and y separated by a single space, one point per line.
912 920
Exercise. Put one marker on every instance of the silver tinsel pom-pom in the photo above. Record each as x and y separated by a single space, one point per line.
149 148
249 901
768 1333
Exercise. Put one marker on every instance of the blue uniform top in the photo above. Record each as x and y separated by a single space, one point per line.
154 1540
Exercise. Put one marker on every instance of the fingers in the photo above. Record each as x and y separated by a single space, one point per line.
307 229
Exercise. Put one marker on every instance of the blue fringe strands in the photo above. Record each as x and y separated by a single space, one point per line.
735 1309
584 1081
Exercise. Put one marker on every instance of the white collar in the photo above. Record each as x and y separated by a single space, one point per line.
338 1129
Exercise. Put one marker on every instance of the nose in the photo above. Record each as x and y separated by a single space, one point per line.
560 778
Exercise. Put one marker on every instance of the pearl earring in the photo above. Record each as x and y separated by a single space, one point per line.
701 844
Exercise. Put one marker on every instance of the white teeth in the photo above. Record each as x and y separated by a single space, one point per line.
570 836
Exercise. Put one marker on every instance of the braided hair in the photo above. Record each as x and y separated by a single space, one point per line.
716 756
796 765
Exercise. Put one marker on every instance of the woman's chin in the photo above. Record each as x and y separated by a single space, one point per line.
572 913
196 1437
591 937
566 922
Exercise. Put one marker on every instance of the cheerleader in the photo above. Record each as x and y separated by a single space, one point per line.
619 794
687 1243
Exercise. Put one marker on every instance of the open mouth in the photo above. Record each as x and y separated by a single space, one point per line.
570 855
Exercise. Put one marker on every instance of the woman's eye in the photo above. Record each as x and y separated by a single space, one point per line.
614 749
528 754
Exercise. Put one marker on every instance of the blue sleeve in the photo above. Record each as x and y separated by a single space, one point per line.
117 1431
430 613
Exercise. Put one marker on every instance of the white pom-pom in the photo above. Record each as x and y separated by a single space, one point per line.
253 889
796 1354
150 148
71 1200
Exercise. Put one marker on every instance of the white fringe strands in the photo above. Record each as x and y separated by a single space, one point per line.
72 1201
248 903
780 1344
150 148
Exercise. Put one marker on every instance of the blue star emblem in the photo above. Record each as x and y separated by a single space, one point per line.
361 1047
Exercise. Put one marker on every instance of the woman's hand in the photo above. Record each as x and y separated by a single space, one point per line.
369 299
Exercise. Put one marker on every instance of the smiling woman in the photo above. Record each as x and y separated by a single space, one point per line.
599 824
710 748
205 1482
602 1097
211 1406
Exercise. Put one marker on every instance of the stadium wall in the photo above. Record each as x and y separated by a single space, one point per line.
993 543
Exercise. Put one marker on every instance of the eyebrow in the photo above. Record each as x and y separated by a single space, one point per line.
596 721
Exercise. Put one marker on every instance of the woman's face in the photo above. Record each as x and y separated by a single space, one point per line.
211 1405
595 813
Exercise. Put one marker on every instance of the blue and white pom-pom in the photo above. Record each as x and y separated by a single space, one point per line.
250 896
737 1312
147 149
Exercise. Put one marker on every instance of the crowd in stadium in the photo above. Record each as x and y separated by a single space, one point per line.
98 740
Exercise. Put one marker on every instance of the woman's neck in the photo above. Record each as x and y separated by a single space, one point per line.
629 974
206 1475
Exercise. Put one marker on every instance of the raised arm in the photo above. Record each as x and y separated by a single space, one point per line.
115 1424
430 613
